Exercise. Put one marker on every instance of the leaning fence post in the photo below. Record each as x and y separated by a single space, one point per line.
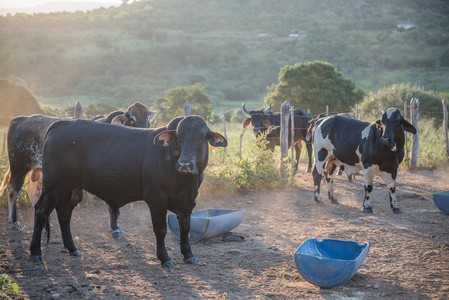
224 131
327 110
380 111
4 143
357 111
414 112
285 112
292 139
78 111
407 162
446 141
187 109
241 140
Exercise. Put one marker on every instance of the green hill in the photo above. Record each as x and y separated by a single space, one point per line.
234 48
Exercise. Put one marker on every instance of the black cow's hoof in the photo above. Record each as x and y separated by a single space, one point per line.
168 264
36 258
16 226
368 210
191 261
75 253
397 211
117 234
334 201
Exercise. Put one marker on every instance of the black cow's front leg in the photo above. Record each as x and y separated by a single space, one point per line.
114 213
184 229
158 217
14 185
64 211
297 155
316 186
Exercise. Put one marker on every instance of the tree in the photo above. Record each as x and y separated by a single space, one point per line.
313 85
17 100
172 104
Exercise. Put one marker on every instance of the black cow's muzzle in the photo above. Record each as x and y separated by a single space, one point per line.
185 166
388 142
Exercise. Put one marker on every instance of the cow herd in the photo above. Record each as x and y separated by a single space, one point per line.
164 166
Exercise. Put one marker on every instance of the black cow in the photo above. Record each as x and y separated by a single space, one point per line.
376 148
25 141
162 167
267 123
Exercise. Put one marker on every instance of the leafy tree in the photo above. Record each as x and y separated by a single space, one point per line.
172 104
16 99
395 96
100 108
313 85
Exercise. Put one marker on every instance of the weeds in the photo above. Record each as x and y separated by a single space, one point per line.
7 284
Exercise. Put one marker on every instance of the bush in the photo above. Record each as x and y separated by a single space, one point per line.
255 168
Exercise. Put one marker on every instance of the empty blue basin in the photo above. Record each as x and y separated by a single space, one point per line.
330 262
208 223
441 200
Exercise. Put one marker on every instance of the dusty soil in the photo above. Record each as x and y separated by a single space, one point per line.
408 258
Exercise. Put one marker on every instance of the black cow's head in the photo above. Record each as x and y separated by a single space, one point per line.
191 143
137 115
258 118
393 125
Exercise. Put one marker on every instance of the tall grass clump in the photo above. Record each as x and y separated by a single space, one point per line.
431 152
254 168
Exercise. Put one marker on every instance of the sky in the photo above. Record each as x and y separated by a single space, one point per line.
33 3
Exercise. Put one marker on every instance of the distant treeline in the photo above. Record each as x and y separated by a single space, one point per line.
234 48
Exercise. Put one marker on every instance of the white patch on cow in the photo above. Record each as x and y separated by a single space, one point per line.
365 132
321 142
394 202
390 111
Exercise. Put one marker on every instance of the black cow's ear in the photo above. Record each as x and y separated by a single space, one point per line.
217 140
379 122
408 127
246 123
167 136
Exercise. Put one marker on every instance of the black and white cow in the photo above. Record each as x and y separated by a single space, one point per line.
120 165
25 141
376 148
267 123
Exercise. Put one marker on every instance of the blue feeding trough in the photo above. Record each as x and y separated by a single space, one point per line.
441 200
208 223
330 262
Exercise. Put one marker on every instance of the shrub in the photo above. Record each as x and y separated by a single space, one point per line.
254 168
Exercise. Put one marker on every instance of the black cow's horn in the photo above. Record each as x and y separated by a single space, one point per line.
267 110
246 110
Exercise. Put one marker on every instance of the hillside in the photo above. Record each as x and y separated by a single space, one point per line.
235 48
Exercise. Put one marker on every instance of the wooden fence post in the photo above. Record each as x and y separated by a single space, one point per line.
187 109
78 111
292 139
407 162
241 140
285 113
446 141
380 111
327 110
357 111
224 130
414 114
4 143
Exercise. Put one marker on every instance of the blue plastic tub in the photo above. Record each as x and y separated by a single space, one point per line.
441 200
208 223
330 262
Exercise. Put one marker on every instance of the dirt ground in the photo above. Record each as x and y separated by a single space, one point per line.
408 258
